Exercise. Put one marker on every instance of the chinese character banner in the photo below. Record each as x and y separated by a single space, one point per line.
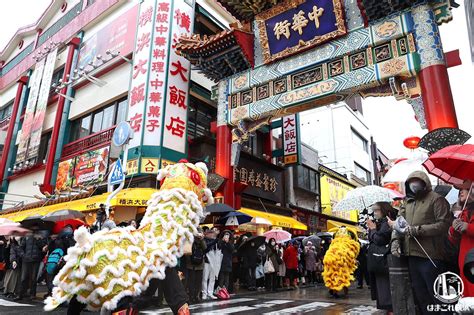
285 30
140 71
174 135
35 81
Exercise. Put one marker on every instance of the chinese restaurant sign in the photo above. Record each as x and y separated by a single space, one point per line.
158 94
285 29
263 181
291 139
117 36
84 170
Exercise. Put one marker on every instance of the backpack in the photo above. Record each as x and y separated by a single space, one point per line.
53 260
197 254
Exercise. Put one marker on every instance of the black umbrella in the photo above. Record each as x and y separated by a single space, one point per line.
257 240
62 215
324 234
314 239
36 222
219 208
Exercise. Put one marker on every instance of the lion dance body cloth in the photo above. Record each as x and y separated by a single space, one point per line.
340 261
104 267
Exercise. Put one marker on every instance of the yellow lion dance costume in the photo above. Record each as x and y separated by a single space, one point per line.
106 266
340 260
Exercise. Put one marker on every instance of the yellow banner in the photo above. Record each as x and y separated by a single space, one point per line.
333 191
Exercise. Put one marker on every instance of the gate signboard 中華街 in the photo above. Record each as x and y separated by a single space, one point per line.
284 31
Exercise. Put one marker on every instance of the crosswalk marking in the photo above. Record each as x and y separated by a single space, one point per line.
362 310
301 309
201 305
238 309
10 303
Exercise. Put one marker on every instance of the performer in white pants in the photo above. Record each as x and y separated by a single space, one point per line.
212 265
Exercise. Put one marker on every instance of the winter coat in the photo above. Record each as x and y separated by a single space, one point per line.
249 257
227 250
380 283
466 243
290 257
16 253
189 265
33 248
431 213
272 254
310 259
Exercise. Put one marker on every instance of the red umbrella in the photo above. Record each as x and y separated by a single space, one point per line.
453 164
74 223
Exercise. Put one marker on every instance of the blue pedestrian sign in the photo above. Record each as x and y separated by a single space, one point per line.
116 176
122 134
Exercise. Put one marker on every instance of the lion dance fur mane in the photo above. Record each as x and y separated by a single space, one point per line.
340 260
106 266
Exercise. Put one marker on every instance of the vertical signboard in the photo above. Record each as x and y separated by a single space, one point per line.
177 88
155 96
159 77
40 112
291 139
140 72
30 111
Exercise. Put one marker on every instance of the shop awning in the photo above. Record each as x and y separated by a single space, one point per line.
276 219
132 197
332 224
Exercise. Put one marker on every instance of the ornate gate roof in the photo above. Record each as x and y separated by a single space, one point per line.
221 55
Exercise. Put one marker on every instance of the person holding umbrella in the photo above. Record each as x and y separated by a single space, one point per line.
461 232
13 274
248 250
33 247
310 262
427 215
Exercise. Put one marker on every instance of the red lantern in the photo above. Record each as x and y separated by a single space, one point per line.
391 186
411 142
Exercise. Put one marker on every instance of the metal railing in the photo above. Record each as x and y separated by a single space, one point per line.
83 144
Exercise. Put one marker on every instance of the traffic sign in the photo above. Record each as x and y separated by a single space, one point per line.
122 133
116 176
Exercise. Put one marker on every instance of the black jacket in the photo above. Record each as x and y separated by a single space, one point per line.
382 234
33 248
227 250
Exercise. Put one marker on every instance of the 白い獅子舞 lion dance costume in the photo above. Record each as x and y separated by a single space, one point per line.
106 266
340 260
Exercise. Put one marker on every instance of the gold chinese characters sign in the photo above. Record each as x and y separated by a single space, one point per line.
262 180
297 25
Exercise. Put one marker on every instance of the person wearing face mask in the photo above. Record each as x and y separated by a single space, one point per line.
272 255
379 236
428 217
462 232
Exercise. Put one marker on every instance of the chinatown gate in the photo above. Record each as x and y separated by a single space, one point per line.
284 58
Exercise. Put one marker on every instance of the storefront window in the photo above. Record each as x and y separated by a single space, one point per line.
101 119
307 178
97 122
200 116
108 119
122 111
362 173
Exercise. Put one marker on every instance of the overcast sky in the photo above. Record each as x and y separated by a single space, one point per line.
390 121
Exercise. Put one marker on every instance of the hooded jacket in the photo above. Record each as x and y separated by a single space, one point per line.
431 213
